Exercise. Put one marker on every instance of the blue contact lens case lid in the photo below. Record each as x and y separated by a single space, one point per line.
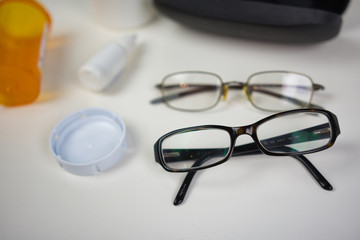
88 141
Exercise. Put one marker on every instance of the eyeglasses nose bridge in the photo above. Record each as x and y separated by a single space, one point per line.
232 84
246 92
244 130
225 92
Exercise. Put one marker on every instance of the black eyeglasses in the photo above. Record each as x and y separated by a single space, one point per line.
291 133
269 90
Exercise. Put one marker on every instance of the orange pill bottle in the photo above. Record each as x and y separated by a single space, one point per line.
24 26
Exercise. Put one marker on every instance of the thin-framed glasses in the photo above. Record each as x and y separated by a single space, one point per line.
291 133
268 90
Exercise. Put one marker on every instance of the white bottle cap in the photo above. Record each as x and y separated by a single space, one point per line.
88 141
106 65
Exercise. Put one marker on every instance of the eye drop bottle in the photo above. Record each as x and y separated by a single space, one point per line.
107 65
24 26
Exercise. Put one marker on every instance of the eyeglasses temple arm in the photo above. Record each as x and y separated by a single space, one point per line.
314 172
318 87
290 99
318 132
252 149
180 196
207 88
239 152
200 88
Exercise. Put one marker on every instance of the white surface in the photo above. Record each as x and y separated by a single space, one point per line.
256 197
122 14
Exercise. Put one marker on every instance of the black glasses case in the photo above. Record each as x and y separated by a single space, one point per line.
292 21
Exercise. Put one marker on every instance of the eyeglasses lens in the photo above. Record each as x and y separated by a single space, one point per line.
191 91
194 148
297 132
279 91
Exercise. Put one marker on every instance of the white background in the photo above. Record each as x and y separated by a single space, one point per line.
256 197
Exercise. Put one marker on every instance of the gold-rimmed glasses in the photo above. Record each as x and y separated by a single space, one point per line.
268 90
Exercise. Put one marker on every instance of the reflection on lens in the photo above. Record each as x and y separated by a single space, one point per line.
297 132
194 148
279 91
191 91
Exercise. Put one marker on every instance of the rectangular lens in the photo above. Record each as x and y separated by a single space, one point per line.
195 148
279 91
298 132
191 91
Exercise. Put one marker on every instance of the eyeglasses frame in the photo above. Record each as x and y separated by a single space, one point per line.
234 132
234 85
